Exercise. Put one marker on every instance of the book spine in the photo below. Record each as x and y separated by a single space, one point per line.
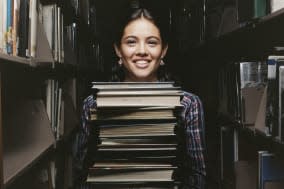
33 27
55 33
271 76
23 27
15 27
1 26
4 26
260 8
280 105
9 26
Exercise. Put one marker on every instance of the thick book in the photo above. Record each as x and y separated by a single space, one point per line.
167 100
135 140
131 175
127 113
146 94
124 130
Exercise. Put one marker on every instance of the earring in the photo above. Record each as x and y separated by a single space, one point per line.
119 62
162 63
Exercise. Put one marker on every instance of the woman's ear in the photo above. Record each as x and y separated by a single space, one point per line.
164 50
117 50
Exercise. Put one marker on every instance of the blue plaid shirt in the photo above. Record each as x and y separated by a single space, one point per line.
193 117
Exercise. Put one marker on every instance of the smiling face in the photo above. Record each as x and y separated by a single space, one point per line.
141 50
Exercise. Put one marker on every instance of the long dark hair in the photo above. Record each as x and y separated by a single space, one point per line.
118 72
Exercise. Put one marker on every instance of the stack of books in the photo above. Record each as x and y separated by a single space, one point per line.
137 125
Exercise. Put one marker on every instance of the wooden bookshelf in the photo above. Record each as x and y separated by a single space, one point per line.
255 39
26 135
5 58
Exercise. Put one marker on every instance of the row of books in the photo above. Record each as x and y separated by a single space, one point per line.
51 16
18 27
252 94
20 24
136 124
241 88
275 97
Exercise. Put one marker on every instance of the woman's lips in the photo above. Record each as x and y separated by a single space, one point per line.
142 63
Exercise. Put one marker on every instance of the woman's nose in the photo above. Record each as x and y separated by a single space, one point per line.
142 49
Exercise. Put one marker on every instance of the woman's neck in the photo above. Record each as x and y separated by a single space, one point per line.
141 80
136 79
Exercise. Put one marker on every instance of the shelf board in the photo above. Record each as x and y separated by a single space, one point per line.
27 136
14 59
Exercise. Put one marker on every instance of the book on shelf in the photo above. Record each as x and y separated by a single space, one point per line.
252 81
229 98
33 16
249 10
281 104
272 103
276 5
24 23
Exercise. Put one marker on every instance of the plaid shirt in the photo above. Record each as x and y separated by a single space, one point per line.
193 117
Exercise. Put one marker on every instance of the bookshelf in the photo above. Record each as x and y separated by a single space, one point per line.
250 42
27 138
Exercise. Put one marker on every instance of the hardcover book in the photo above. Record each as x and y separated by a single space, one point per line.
271 118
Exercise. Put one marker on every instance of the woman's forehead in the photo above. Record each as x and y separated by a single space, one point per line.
141 27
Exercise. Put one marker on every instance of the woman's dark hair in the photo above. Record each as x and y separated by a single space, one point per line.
118 72
134 14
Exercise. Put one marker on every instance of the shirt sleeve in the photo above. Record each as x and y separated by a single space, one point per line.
194 141
81 142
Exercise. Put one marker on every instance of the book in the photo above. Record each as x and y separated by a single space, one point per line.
276 5
281 104
113 165
119 95
134 113
134 140
117 131
136 85
141 91
272 103
33 16
118 176
167 100
24 28
1 26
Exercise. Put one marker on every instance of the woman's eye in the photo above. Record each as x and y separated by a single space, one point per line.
130 42
152 43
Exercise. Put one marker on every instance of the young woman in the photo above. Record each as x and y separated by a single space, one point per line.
141 44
